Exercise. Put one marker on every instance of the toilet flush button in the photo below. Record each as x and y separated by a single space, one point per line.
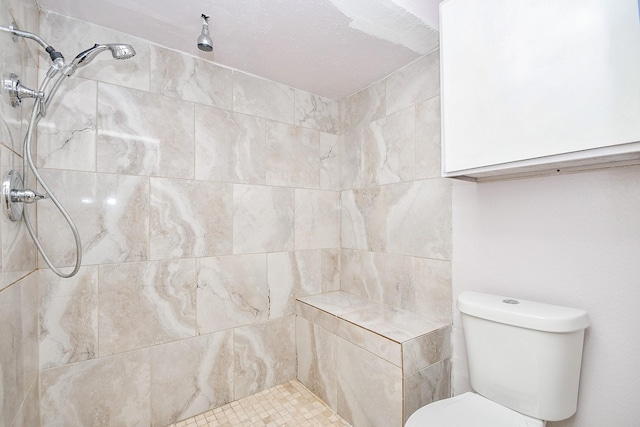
511 301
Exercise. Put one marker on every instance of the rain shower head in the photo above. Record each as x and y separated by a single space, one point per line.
204 41
118 51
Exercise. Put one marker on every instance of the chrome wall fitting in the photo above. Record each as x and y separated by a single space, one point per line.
12 86
13 26
14 195
11 180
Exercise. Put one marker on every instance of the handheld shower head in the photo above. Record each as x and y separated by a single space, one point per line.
118 51
122 51
204 41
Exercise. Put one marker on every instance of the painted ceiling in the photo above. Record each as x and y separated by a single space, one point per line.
331 48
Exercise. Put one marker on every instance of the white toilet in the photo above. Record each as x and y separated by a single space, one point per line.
524 365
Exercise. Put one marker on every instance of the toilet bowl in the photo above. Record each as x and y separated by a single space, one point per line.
469 409
524 362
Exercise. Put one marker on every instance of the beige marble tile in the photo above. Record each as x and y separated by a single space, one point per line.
433 296
11 356
317 219
428 152
11 126
389 148
426 350
325 320
263 219
351 159
342 114
109 391
300 273
286 272
364 219
388 278
230 147
264 355
191 376
141 133
263 98
18 257
427 386
414 83
190 218
383 347
66 136
330 161
72 36
30 332
147 303
25 14
351 271
316 112
419 218
391 322
350 332
29 412
369 388
292 274
182 76
232 291
68 317
292 156
19 353
11 59
365 106
338 303
316 353
330 270
110 211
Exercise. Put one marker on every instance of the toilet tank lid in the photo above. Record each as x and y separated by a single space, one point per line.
523 313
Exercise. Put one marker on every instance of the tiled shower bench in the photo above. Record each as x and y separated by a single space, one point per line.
372 363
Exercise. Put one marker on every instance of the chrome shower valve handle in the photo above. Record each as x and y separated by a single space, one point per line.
26 196
14 195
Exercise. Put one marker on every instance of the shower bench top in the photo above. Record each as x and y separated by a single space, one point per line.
408 340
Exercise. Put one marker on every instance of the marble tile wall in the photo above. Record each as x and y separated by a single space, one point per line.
207 201
206 204
396 210
19 373
373 363
396 245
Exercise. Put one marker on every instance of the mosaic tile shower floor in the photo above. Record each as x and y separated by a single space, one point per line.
290 404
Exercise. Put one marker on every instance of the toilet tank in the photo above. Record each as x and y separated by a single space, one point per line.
522 354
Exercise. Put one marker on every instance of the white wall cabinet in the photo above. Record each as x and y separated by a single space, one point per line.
538 85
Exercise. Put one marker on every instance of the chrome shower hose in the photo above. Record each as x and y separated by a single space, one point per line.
27 162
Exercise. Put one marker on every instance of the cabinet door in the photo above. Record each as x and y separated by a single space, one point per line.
526 79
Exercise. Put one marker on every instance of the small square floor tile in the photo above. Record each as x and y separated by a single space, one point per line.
287 405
